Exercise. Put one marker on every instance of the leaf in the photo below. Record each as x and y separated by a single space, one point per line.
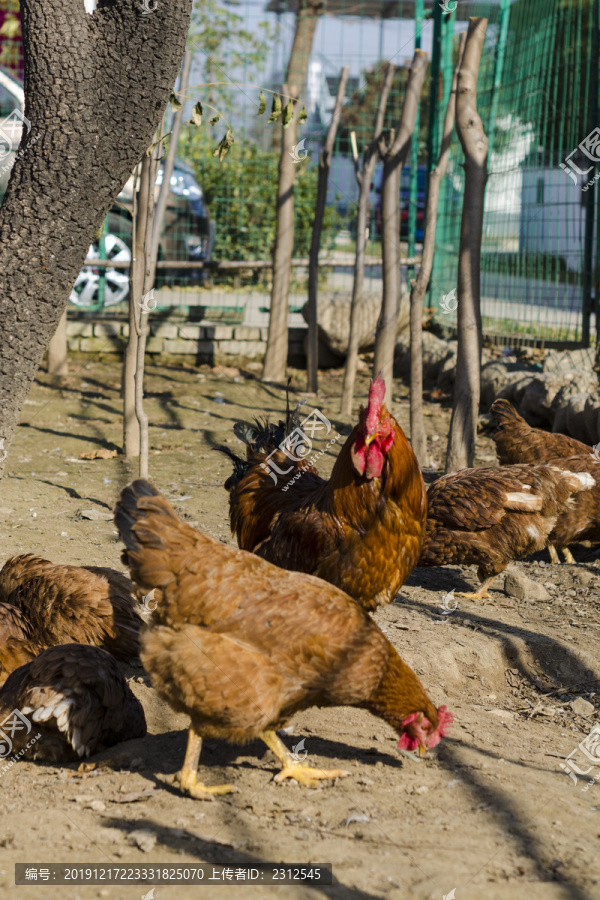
262 103
288 114
302 116
276 108
224 145
175 104
11 28
215 119
197 114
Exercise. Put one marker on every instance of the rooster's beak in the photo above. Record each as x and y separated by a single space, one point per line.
422 750
369 438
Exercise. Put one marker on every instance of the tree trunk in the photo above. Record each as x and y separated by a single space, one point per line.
93 123
313 265
169 162
277 341
419 286
147 183
57 350
463 426
393 156
364 180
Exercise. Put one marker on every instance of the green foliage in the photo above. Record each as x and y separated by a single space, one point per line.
241 195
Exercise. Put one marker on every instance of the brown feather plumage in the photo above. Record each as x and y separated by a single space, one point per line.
517 442
76 700
69 604
364 536
484 516
241 645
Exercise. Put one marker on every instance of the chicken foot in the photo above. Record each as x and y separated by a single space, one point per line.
481 594
188 777
294 768
555 558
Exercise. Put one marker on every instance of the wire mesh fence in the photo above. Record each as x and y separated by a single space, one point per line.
538 99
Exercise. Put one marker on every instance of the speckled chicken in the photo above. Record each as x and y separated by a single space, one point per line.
240 645
361 530
72 701
490 516
60 604
517 442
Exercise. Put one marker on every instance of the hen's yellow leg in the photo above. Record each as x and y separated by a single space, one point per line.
569 558
188 777
554 557
294 768
482 593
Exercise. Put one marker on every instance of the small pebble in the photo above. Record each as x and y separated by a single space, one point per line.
582 707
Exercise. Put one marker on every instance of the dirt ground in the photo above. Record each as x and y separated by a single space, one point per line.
489 814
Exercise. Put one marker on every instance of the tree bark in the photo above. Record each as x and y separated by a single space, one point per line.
277 340
147 182
313 265
93 122
57 350
364 180
419 286
393 156
463 425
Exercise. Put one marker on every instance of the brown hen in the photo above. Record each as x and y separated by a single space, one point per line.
70 702
362 530
488 517
240 645
61 604
517 442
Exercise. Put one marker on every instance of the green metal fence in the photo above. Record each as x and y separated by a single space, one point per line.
538 99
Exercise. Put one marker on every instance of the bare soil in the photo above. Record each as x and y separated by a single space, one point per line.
490 814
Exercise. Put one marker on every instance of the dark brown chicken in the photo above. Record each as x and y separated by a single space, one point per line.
67 604
361 530
69 702
488 517
517 442
240 645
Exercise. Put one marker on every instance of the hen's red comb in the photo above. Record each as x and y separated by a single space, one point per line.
376 395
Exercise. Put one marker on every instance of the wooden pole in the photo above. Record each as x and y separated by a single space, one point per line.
463 425
419 286
393 154
313 266
364 179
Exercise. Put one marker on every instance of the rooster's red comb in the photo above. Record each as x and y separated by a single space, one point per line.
376 395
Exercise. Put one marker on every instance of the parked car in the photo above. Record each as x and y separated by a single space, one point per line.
12 102
187 235
404 200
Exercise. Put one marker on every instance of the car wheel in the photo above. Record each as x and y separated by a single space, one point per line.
85 289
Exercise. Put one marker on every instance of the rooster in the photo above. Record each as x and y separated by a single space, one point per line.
240 645
77 701
517 442
43 604
362 530
488 517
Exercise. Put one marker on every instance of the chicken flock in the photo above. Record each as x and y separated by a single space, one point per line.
242 639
